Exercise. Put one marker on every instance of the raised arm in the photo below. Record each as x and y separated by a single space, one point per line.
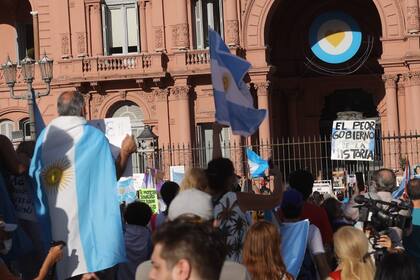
128 147
251 201
217 150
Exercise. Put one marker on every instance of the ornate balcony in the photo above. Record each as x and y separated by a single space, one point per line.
103 68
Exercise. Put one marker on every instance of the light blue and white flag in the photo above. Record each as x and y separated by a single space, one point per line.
257 165
76 195
233 101
294 240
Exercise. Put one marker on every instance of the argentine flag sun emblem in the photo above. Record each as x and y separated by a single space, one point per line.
335 37
57 175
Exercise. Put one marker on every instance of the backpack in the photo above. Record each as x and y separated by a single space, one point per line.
307 270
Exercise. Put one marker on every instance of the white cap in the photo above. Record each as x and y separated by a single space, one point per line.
191 201
7 227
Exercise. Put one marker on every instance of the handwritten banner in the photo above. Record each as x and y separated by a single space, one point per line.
149 196
22 198
353 140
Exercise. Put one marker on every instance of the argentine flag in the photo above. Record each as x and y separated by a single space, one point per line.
294 238
76 199
257 165
233 101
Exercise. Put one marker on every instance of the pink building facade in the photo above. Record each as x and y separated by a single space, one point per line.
148 59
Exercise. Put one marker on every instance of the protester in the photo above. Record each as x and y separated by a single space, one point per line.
137 237
168 192
75 176
411 242
191 202
231 207
261 253
195 206
194 178
354 261
397 266
303 181
176 242
315 262
6 244
335 213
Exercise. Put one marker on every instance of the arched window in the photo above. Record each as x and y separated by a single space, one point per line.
207 13
131 110
6 128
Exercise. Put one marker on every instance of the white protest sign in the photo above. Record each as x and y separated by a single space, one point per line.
176 173
322 186
353 140
115 129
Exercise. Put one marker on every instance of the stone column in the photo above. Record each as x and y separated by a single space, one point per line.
407 110
415 100
401 106
143 26
231 23
263 103
162 111
181 134
94 23
413 24
35 23
179 97
391 103
180 32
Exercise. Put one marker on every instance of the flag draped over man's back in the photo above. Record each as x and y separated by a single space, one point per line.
233 101
76 195
402 189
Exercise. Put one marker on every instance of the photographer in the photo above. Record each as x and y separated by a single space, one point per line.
384 183
412 240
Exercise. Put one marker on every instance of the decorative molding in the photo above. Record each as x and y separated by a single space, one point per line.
161 94
415 79
413 17
123 94
81 43
390 81
65 44
97 100
180 35
179 93
262 88
158 31
232 32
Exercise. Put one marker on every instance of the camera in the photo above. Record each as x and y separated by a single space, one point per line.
381 215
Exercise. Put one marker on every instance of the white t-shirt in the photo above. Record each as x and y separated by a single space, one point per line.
315 244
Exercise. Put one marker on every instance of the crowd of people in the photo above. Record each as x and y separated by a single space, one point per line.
207 230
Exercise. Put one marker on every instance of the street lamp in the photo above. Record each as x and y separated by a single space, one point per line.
28 72
147 140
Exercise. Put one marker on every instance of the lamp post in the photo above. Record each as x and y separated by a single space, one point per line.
148 144
28 72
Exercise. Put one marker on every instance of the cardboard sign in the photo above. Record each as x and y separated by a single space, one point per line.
22 198
353 140
115 130
149 196
322 186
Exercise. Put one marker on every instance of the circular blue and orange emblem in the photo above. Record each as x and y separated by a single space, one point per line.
335 37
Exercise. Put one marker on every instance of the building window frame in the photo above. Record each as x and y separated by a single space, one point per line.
206 13
7 127
123 6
